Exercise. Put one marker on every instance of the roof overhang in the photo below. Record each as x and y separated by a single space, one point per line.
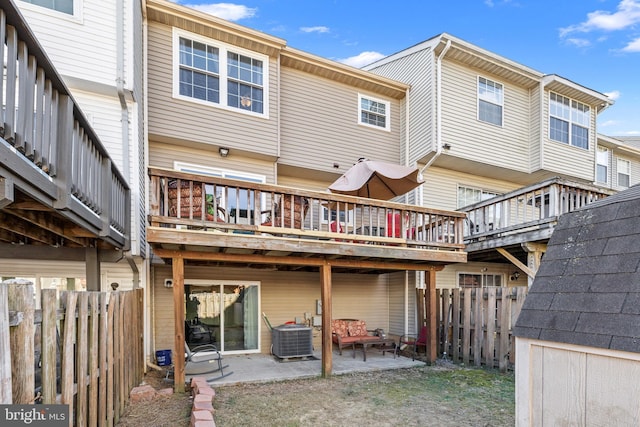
575 91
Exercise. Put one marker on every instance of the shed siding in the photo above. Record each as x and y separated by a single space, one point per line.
192 121
418 70
477 140
319 124
564 384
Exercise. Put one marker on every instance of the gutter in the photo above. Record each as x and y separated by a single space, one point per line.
438 106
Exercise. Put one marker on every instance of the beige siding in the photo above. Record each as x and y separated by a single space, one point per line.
634 173
418 70
475 140
536 128
319 125
440 189
164 155
563 384
191 121
284 296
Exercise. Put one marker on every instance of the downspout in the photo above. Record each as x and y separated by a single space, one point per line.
124 120
438 106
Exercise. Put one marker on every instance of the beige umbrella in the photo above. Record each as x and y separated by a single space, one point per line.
377 180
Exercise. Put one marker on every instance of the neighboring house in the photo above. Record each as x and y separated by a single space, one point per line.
578 334
96 47
509 145
65 204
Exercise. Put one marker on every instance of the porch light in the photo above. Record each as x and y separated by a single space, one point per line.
514 276
224 152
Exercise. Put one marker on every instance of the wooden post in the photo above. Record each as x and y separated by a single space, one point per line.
82 356
6 396
327 343
69 300
21 337
92 268
430 281
178 319
93 359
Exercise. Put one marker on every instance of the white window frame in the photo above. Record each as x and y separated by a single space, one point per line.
493 94
386 115
223 49
346 216
484 276
222 173
484 194
75 16
603 159
624 171
574 114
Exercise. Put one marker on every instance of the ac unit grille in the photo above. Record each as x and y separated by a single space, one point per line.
292 341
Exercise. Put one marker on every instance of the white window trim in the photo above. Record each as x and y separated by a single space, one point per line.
628 172
75 18
481 274
224 48
570 121
387 114
219 172
607 165
479 98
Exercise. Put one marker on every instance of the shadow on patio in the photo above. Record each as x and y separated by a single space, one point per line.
251 368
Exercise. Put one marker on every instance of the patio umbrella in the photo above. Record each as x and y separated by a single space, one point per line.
377 180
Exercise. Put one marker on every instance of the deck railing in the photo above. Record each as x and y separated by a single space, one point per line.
45 136
200 201
529 207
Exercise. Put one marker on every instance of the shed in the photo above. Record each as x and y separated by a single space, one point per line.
578 334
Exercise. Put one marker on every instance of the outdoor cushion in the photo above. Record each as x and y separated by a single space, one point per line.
357 328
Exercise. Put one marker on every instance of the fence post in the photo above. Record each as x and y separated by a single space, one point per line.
21 336
5 347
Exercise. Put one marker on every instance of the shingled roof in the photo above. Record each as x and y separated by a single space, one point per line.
587 289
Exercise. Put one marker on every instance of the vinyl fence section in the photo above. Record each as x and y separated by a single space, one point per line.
475 324
83 349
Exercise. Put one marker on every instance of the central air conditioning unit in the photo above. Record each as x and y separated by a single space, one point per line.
292 341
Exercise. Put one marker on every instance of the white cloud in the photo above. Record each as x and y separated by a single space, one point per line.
317 29
364 58
614 94
578 42
228 11
633 46
627 14
608 123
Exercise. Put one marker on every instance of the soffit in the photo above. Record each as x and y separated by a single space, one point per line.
577 92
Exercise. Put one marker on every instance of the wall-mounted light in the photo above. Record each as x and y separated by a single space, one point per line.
514 276
446 146
224 152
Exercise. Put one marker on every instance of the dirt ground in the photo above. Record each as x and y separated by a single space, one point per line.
439 395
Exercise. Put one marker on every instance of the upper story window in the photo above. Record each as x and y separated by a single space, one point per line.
468 196
64 6
624 170
214 73
569 121
490 101
602 167
373 112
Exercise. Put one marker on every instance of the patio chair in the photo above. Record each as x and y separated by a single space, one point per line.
282 212
414 342
202 361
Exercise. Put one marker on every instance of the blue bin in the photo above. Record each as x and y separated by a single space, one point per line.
163 357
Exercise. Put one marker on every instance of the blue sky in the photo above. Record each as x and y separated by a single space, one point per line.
595 43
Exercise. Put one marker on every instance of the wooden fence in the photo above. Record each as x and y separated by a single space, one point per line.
475 324
83 349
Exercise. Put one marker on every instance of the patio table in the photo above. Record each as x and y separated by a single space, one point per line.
382 344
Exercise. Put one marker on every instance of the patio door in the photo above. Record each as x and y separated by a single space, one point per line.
230 310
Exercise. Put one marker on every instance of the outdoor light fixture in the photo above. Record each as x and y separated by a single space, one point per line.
514 276
224 152
446 147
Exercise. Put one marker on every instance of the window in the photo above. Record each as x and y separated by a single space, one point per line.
239 204
64 6
218 74
373 112
569 121
602 168
475 280
468 196
623 172
490 101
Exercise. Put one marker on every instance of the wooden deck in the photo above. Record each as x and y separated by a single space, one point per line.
287 228
58 185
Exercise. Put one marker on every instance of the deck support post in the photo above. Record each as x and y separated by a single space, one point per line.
327 343
432 321
178 319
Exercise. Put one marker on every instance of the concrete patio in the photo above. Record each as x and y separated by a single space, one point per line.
251 368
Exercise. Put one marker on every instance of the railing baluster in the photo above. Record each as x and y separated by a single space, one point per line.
10 99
